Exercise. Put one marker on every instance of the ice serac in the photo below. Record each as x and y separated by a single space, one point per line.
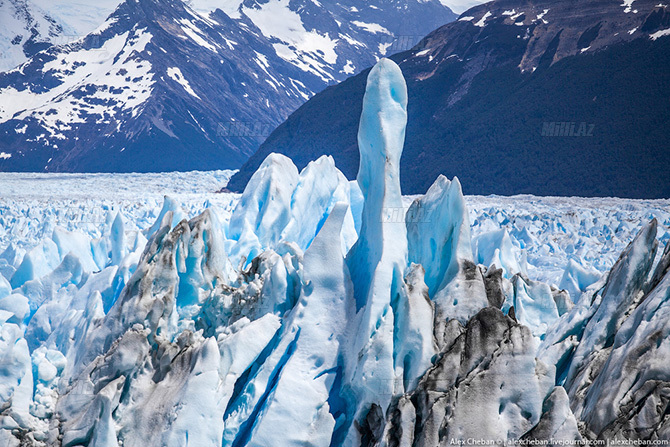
17 384
78 244
38 262
263 211
496 248
576 278
379 257
381 135
320 186
10 259
414 338
621 294
178 271
629 398
534 304
167 355
117 238
611 348
438 233
315 329
281 206
170 205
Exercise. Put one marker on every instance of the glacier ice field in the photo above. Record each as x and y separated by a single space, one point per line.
148 309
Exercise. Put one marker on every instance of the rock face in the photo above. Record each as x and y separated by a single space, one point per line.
509 89
306 319
162 87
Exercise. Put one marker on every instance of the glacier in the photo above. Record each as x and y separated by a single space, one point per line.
313 310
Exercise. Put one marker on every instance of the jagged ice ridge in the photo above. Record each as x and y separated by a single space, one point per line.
312 316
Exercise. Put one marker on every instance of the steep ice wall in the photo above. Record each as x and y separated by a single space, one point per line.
377 260
280 204
263 210
381 135
320 186
315 334
608 349
487 384
608 308
629 396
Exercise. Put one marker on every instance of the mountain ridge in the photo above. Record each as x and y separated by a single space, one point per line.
491 90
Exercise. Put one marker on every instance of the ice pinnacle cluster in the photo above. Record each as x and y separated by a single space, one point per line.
314 316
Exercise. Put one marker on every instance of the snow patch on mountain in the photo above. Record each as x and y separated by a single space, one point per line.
78 17
175 73
293 43
459 6
371 27
104 91
659 34
482 22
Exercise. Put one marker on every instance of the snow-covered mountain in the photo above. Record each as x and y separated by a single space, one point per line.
332 39
312 310
25 29
148 91
160 86
78 17
541 97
